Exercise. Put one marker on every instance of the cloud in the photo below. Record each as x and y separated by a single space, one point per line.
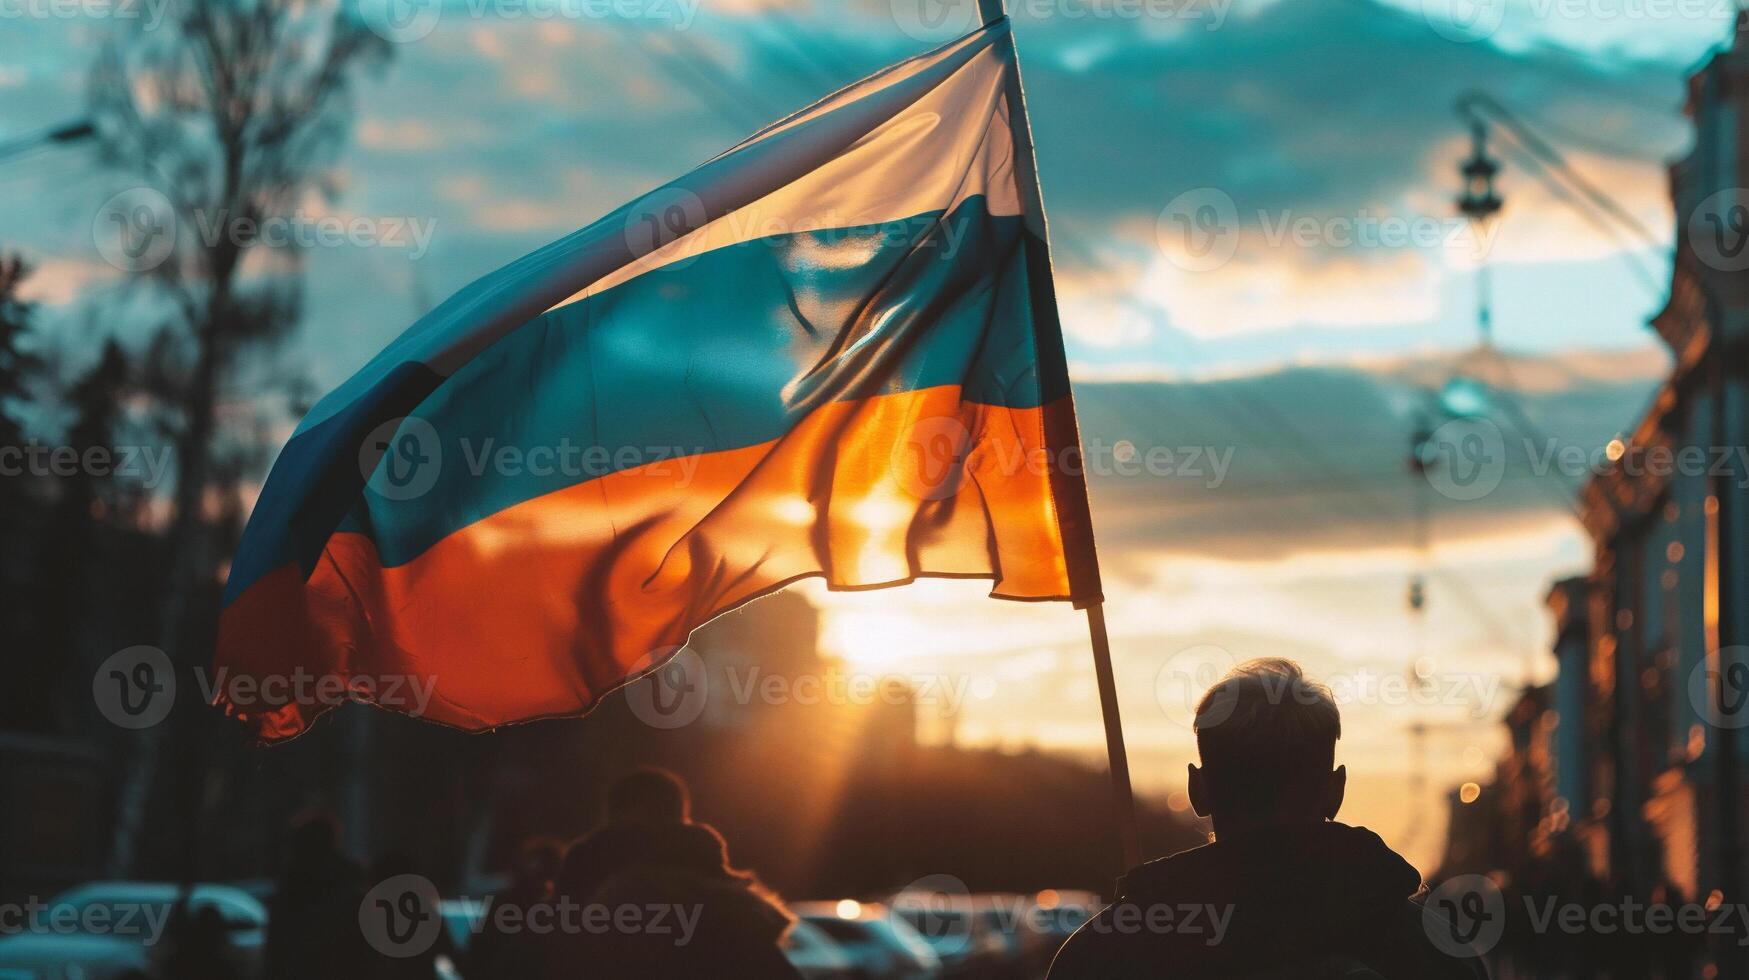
525 214
1323 118
403 135
59 281
1271 285
1311 106
509 130
1316 455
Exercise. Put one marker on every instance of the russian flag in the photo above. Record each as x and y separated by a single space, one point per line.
832 351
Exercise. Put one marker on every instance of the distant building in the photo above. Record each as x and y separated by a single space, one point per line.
1511 822
1644 774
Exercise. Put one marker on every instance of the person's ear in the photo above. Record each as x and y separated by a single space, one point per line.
1199 794
1334 790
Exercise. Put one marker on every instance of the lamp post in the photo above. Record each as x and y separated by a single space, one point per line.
1480 202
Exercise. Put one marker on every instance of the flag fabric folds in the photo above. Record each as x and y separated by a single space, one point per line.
832 350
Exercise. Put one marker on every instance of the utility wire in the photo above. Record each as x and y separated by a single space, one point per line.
1474 104
1628 255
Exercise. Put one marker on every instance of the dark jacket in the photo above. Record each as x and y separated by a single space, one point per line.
692 915
312 922
737 929
1310 901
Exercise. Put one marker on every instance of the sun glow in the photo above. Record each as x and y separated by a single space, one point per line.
793 510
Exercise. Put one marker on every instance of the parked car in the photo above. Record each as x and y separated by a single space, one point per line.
73 956
1057 914
108 928
959 936
462 918
880 944
1022 950
814 954
1053 916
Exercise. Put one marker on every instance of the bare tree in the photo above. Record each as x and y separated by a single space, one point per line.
22 703
230 114
18 365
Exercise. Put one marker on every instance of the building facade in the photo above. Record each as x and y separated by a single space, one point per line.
1647 744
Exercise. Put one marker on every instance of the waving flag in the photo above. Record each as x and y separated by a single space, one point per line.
831 351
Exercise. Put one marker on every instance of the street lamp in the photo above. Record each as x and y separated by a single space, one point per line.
1479 201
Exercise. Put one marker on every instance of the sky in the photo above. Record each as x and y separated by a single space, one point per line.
1262 280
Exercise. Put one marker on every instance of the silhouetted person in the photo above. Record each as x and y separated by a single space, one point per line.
416 961
1283 891
650 860
645 806
312 924
649 796
531 883
198 946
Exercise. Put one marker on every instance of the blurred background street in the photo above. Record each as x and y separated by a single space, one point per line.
1407 339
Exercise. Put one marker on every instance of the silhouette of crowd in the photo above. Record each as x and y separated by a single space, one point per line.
649 893
1283 890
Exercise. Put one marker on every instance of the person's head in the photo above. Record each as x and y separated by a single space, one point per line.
1267 736
538 859
650 796
208 924
312 832
393 864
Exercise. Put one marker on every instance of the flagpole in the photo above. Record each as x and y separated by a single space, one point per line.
1032 203
1118 759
